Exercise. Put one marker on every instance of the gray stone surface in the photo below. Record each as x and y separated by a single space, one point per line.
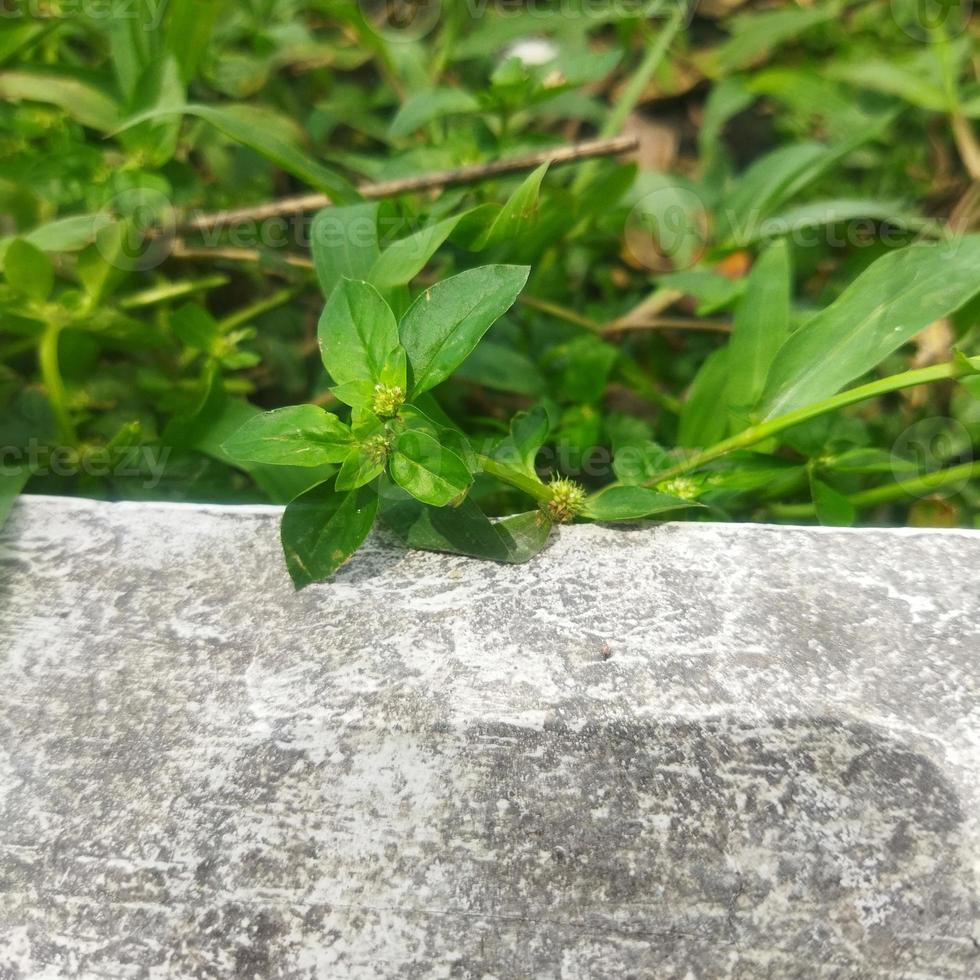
685 751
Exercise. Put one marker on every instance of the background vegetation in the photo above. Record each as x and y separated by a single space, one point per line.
786 152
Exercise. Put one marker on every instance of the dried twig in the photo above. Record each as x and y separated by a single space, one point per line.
391 188
669 323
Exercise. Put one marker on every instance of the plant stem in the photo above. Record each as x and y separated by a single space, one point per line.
506 474
257 308
914 487
561 312
764 430
170 290
53 382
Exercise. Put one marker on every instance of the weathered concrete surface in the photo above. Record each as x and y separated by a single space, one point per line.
428 768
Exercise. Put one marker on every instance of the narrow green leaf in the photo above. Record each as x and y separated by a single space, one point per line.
322 528
190 23
888 304
357 335
401 261
430 104
447 321
83 102
12 481
761 326
264 142
344 241
704 417
428 471
518 211
631 503
301 435
28 270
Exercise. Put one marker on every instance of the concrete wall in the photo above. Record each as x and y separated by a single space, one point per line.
682 751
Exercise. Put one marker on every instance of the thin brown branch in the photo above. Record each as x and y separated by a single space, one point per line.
181 250
966 145
668 323
392 188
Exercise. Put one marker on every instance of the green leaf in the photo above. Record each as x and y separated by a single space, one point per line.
344 242
359 468
194 326
28 270
528 433
761 326
12 481
888 304
358 334
447 321
322 528
832 506
704 417
84 102
264 142
631 503
502 368
190 23
465 530
301 435
280 483
519 210
430 104
428 471
401 261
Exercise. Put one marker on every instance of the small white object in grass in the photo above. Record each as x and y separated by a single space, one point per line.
531 51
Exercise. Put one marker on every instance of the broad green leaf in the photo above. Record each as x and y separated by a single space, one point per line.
502 368
301 435
322 528
428 471
761 326
344 242
465 530
401 261
831 505
280 483
704 417
430 104
639 462
357 333
265 143
631 504
84 102
446 322
888 304
28 270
